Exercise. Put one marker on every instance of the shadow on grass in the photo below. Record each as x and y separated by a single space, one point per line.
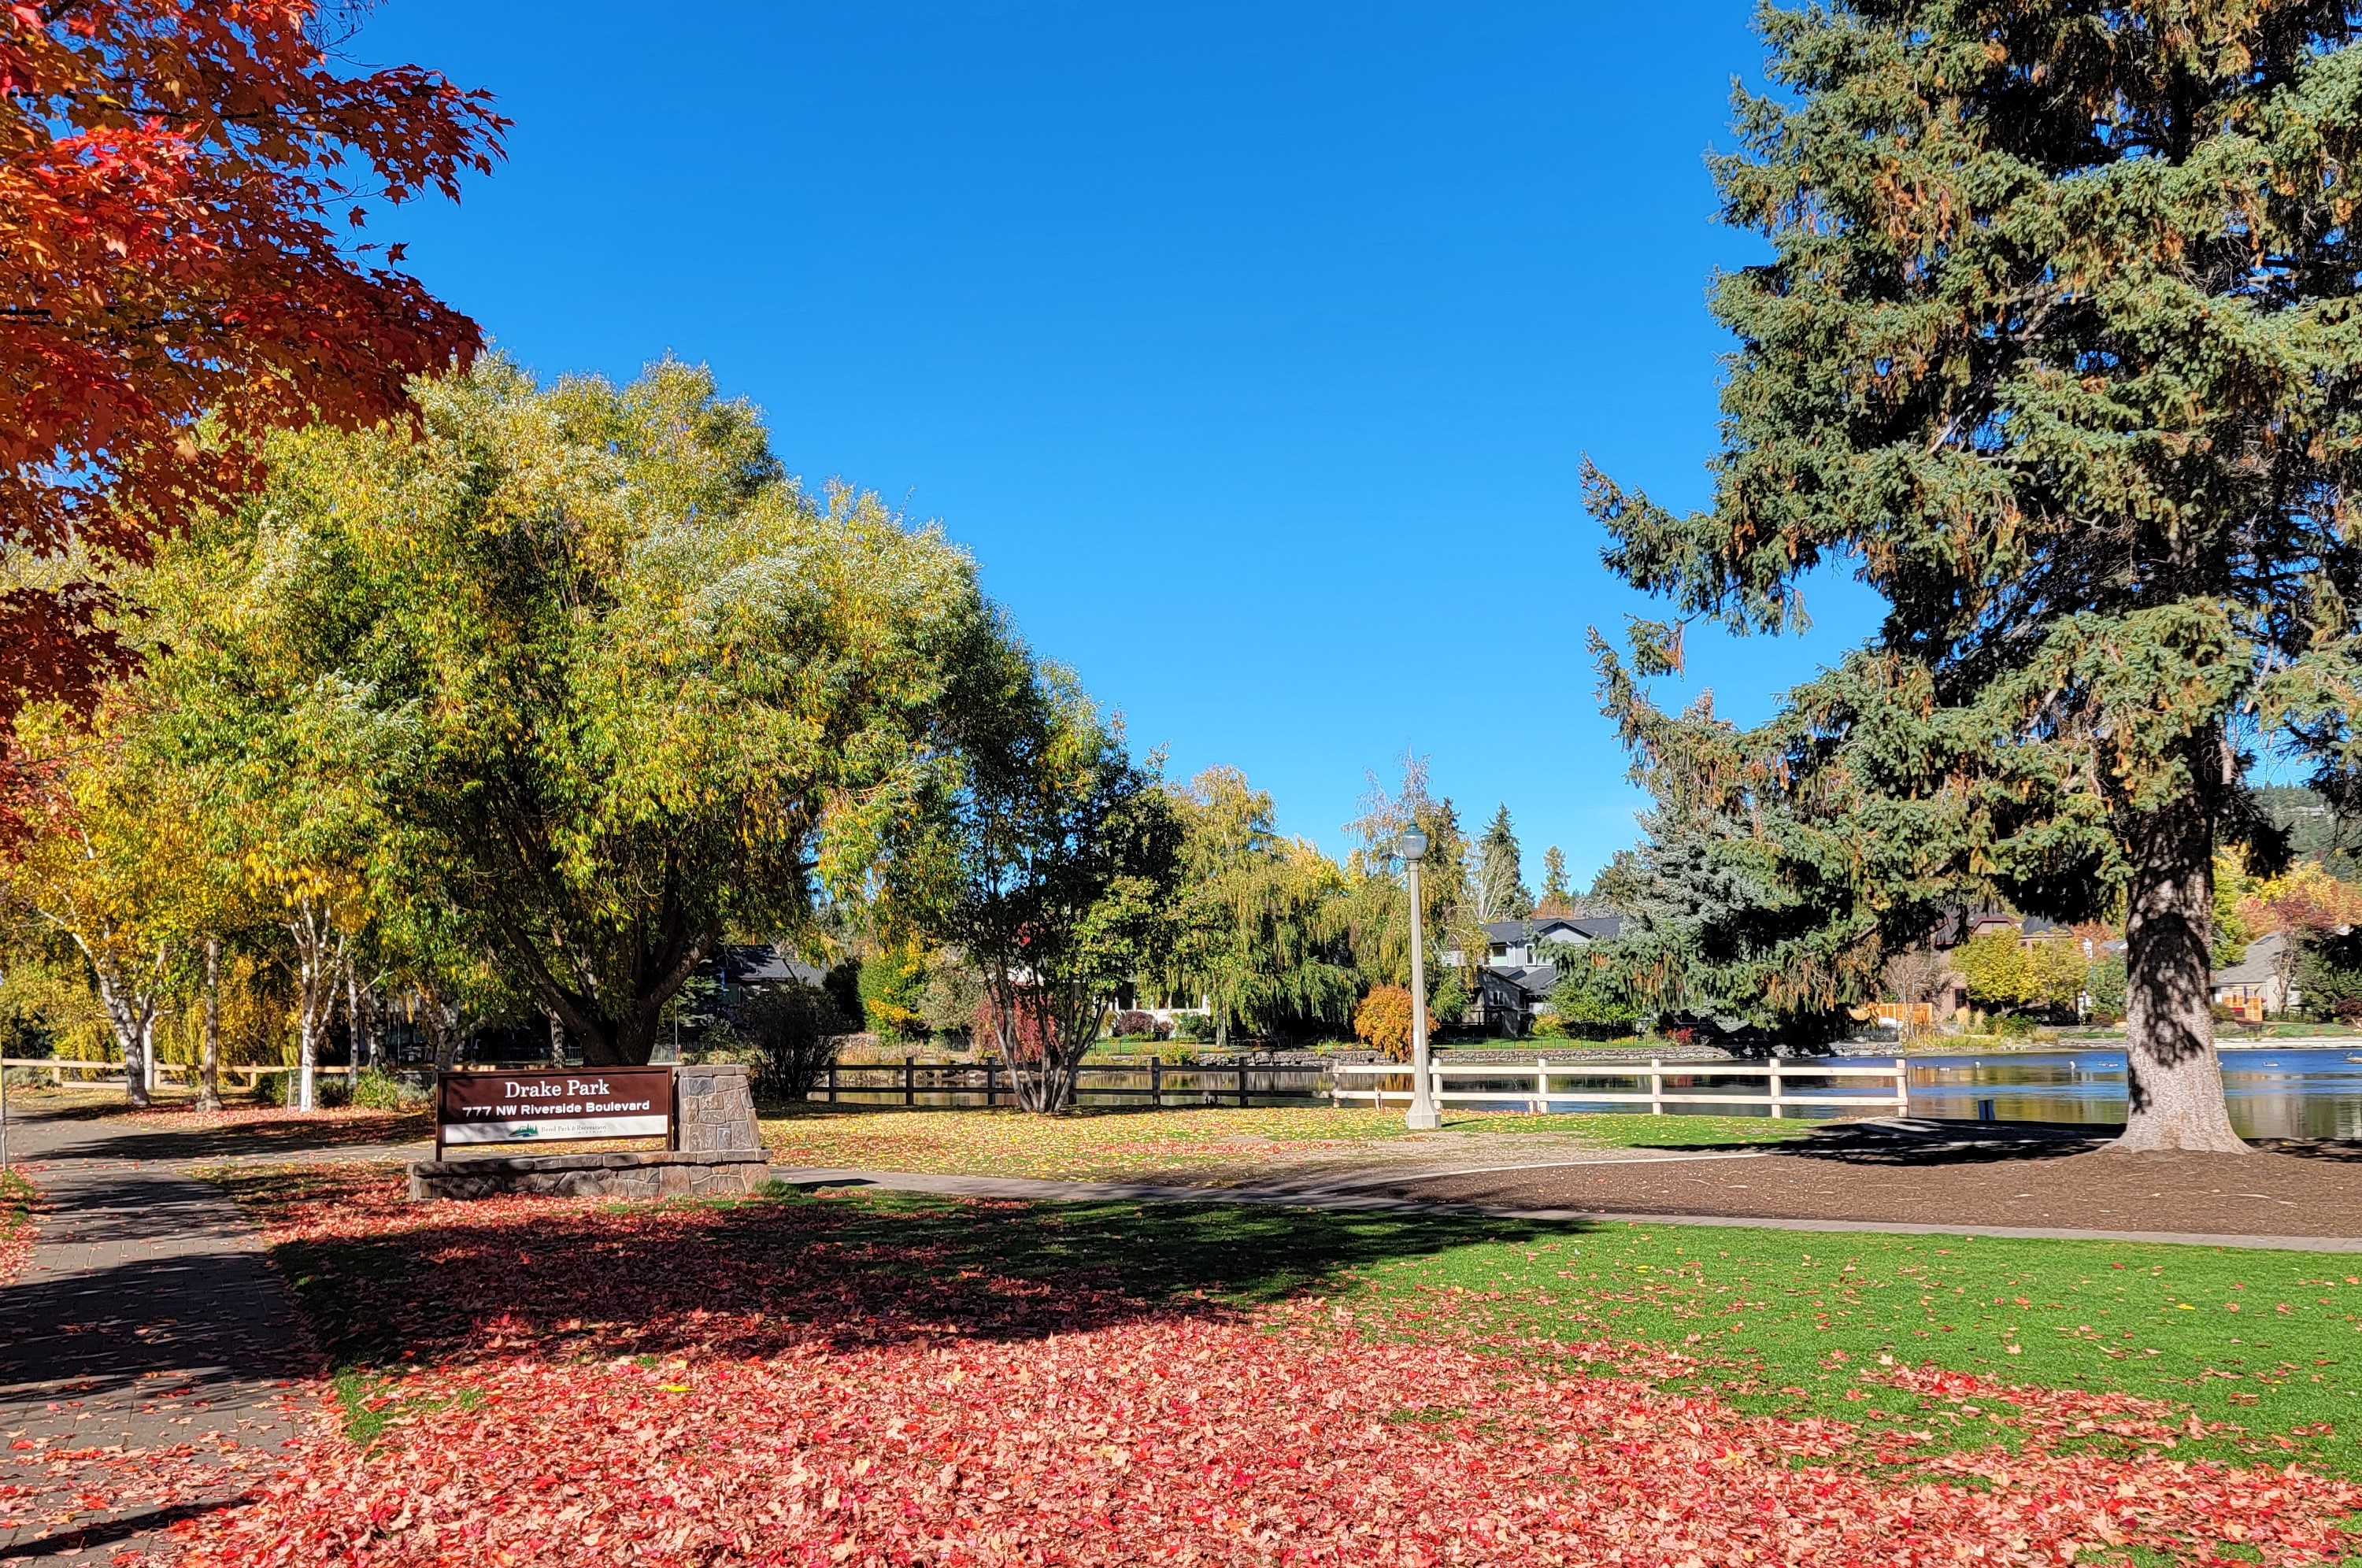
760 1276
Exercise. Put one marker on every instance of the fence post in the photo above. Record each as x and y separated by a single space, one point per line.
1656 1086
1903 1085
1157 1082
910 1080
1542 1086
1775 1088
1243 1083
990 1070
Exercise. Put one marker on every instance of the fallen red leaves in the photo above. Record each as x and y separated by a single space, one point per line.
799 1401
17 1197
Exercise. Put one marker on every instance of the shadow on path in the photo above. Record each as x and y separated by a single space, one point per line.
146 1319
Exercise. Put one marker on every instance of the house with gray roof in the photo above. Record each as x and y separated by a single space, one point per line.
2257 983
1515 981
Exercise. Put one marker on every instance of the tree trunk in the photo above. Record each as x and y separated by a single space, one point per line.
2173 1080
209 1070
319 954
357 1014
557 1042
128 1009
442 1031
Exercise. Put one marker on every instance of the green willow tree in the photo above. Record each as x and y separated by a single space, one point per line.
628 687
2058 348
1259 930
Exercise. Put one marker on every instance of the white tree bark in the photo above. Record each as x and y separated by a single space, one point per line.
209 1068
129 994
319 964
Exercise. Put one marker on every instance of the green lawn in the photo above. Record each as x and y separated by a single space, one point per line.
1778 1320
2267 1342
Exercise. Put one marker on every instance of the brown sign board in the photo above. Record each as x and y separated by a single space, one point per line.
547 1107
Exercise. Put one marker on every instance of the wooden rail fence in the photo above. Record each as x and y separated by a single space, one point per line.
1154 1082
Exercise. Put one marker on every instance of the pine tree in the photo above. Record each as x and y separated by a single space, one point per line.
2059 349
1556 899
1500 872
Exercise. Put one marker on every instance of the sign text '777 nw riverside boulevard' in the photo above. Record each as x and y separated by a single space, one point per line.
545 1107
704 1113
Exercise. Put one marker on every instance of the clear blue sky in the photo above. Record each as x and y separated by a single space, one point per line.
1252 349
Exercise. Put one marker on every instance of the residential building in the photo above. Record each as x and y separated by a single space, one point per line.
2255 985
1515 983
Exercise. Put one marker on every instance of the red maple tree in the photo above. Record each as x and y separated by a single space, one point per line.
182 187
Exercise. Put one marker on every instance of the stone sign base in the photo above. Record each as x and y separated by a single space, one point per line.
658 1174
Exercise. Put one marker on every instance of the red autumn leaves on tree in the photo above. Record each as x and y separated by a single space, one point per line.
181 184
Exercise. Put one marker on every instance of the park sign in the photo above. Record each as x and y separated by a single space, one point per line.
548 1107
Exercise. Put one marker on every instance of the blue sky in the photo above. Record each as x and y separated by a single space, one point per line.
1254 350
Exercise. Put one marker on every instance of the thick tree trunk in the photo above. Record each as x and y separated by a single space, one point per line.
2174 1082
129 1010
209 1068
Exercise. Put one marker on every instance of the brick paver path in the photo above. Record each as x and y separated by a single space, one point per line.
145 1319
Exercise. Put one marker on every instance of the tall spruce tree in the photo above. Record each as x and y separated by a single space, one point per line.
2058 348
1500 880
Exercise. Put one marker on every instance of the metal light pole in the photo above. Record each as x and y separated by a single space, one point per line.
1422 1117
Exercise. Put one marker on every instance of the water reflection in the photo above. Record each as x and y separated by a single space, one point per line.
2271 1094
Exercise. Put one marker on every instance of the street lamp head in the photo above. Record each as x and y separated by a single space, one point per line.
1412 846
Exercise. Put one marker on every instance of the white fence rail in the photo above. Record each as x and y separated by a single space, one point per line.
1546 1082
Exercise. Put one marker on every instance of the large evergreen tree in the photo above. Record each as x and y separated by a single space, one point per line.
2058 348
1500 880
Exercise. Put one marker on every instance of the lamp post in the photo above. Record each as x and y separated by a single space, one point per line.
1422 1117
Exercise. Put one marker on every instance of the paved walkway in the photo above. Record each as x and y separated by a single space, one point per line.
147 1318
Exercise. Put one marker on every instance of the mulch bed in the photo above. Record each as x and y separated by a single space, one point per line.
2046 1181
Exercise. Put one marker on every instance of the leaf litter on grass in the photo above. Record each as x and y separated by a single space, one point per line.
791 1381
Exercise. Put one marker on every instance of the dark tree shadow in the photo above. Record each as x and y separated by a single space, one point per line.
1918 1141
794 1268
83 1538
199 1140
2343 1151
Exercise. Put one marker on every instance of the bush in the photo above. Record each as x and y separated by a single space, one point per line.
1382 1021
1133 1025
792 1029
892 986
1193 1026
377 1089
2107 985
279 1088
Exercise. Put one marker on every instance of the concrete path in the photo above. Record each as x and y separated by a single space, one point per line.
1342 1196
147 1318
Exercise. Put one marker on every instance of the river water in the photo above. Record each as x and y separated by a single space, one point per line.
2310 1093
